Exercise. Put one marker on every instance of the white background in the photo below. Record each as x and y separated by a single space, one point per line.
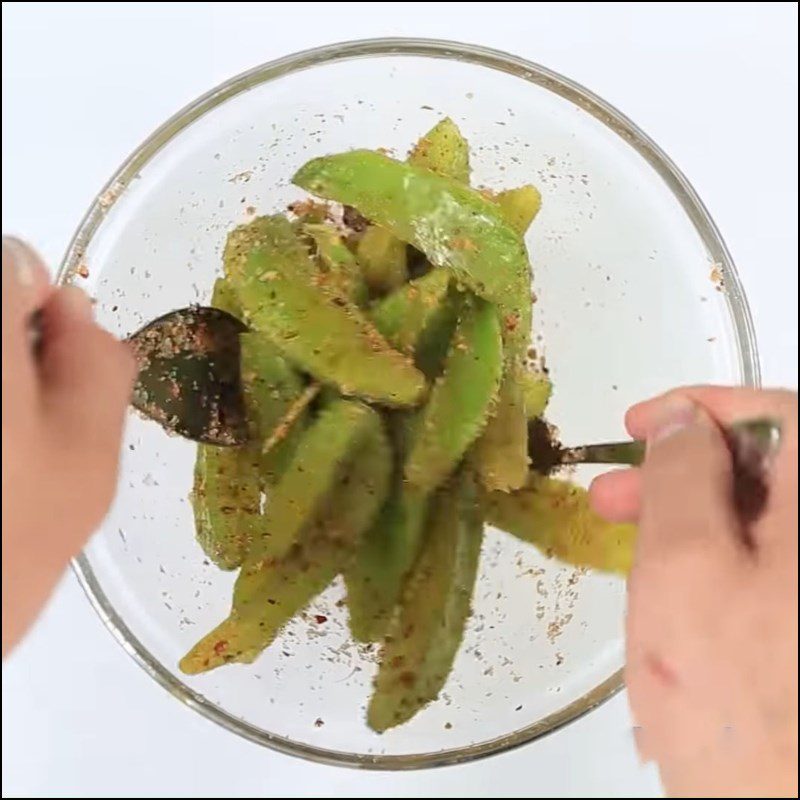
83 84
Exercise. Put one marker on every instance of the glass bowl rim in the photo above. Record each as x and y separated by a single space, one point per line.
432 48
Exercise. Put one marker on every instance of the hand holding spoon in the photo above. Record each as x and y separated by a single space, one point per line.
751 443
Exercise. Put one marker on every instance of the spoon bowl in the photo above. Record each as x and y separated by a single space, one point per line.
188 378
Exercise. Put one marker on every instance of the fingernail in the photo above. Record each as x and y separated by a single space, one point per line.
76 303
676 414
19 257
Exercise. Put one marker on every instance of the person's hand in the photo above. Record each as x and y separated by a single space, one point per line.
63 414
712 616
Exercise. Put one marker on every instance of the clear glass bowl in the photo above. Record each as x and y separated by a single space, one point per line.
636 293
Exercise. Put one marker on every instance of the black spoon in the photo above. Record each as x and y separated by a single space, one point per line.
189 379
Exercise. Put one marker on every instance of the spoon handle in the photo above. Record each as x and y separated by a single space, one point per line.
752 442
631 453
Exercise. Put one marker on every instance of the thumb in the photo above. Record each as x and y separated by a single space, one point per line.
86 380
687 483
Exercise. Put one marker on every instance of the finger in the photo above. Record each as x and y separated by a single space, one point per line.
25 278
687 487
87 376
730 405
616 495
26 287
726 404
